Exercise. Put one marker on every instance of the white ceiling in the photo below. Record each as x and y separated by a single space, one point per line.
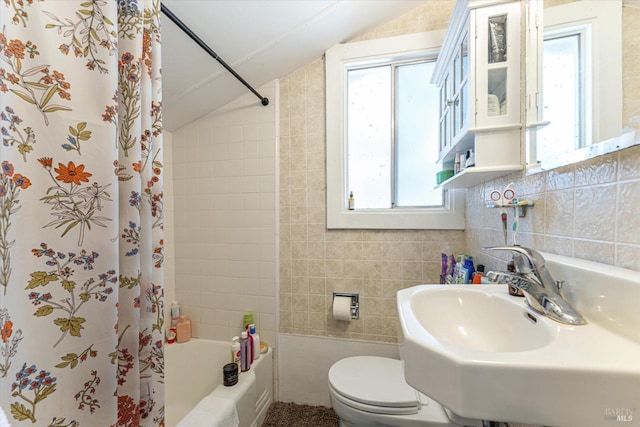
261 40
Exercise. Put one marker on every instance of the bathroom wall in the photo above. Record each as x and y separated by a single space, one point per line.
225 217
588 210
224 239
315 261
585 210
225 173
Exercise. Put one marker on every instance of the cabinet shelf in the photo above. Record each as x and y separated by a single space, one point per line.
462 145
477 175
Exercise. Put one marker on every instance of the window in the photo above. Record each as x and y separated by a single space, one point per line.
382 136
581 85
567 92
392 110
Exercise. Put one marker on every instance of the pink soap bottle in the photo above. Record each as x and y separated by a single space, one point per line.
183 329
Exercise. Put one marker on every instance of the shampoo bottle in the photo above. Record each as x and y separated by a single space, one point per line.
468 265
175 313
256 341
235 351
251 349
245 352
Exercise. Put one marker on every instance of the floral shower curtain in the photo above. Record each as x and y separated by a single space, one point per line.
81 255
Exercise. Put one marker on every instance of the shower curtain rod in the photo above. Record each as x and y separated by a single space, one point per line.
203 45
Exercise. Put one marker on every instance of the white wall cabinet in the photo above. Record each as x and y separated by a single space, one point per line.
478 73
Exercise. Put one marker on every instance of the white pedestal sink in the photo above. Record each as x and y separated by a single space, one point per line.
484 354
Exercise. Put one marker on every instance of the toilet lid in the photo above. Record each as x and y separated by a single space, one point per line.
376 381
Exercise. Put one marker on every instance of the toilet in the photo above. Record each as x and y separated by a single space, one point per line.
371 391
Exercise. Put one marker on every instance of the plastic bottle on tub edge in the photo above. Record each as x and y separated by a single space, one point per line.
175 313
251 348
256 341
247 320
183 329
245 352
235 351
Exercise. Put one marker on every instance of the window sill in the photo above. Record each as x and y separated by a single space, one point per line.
445 218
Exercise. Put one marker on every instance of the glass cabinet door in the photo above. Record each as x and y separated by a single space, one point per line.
463 109
445 128
497 45
498 64
497 88
455 95
460 76
497 75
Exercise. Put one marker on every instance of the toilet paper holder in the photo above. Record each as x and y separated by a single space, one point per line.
355 302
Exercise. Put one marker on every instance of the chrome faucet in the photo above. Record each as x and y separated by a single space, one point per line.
540 290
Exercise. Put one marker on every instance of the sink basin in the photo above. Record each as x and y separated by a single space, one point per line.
479 320
486 355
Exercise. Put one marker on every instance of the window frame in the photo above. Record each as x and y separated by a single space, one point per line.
586 82
338 60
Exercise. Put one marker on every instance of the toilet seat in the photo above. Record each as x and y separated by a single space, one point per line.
374 409
374 384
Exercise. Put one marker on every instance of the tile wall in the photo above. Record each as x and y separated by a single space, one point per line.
315 261
225 217
588 211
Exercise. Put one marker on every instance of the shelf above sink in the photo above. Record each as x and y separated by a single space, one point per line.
477 175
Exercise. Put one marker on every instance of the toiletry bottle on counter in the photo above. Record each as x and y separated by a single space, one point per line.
235 350
175 313
352 201
170 334
245 352
183 329
468 265
256 341
477 278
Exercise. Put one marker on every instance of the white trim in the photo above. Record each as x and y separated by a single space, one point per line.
406 47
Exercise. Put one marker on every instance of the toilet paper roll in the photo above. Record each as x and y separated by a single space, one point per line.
342 308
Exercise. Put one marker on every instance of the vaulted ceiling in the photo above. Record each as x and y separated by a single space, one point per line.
261 40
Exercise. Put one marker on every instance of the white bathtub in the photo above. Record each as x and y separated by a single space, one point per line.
193 370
